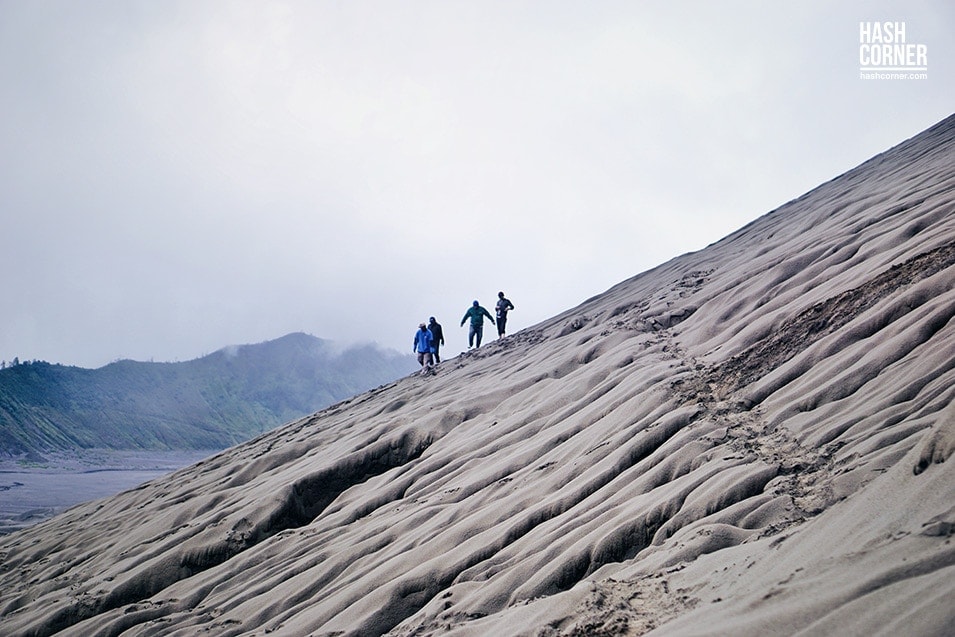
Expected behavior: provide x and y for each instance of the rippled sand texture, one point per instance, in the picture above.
(753, 439)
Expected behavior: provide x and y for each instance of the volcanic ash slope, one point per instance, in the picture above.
(752, 439)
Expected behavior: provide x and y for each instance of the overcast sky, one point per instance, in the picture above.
(180, 176)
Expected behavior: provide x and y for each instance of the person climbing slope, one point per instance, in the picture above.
(476, 313)
(423, 348)
(437, 338)
(503, 305)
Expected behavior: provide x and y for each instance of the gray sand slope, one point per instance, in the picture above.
(753, 439)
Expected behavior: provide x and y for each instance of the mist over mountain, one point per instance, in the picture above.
(211, 402)
(753, 439)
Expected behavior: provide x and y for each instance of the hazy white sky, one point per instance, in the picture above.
(180, 176)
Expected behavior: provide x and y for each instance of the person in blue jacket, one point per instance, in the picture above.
(424, 347)
(476, 313)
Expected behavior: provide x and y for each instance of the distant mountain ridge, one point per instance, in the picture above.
(210, 402)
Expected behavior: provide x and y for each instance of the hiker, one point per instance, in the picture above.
(476, 313)
(423, 346)
(503, 305)
(437, 338)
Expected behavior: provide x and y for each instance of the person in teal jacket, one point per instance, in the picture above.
(476, 313)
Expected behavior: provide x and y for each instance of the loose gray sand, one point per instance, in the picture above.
(33, 491)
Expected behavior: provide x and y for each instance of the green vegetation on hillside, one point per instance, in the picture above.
(208, 403)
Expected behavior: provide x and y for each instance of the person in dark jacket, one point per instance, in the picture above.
(437, 338)
(503, 305)
(476, 313)
(423, 346)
